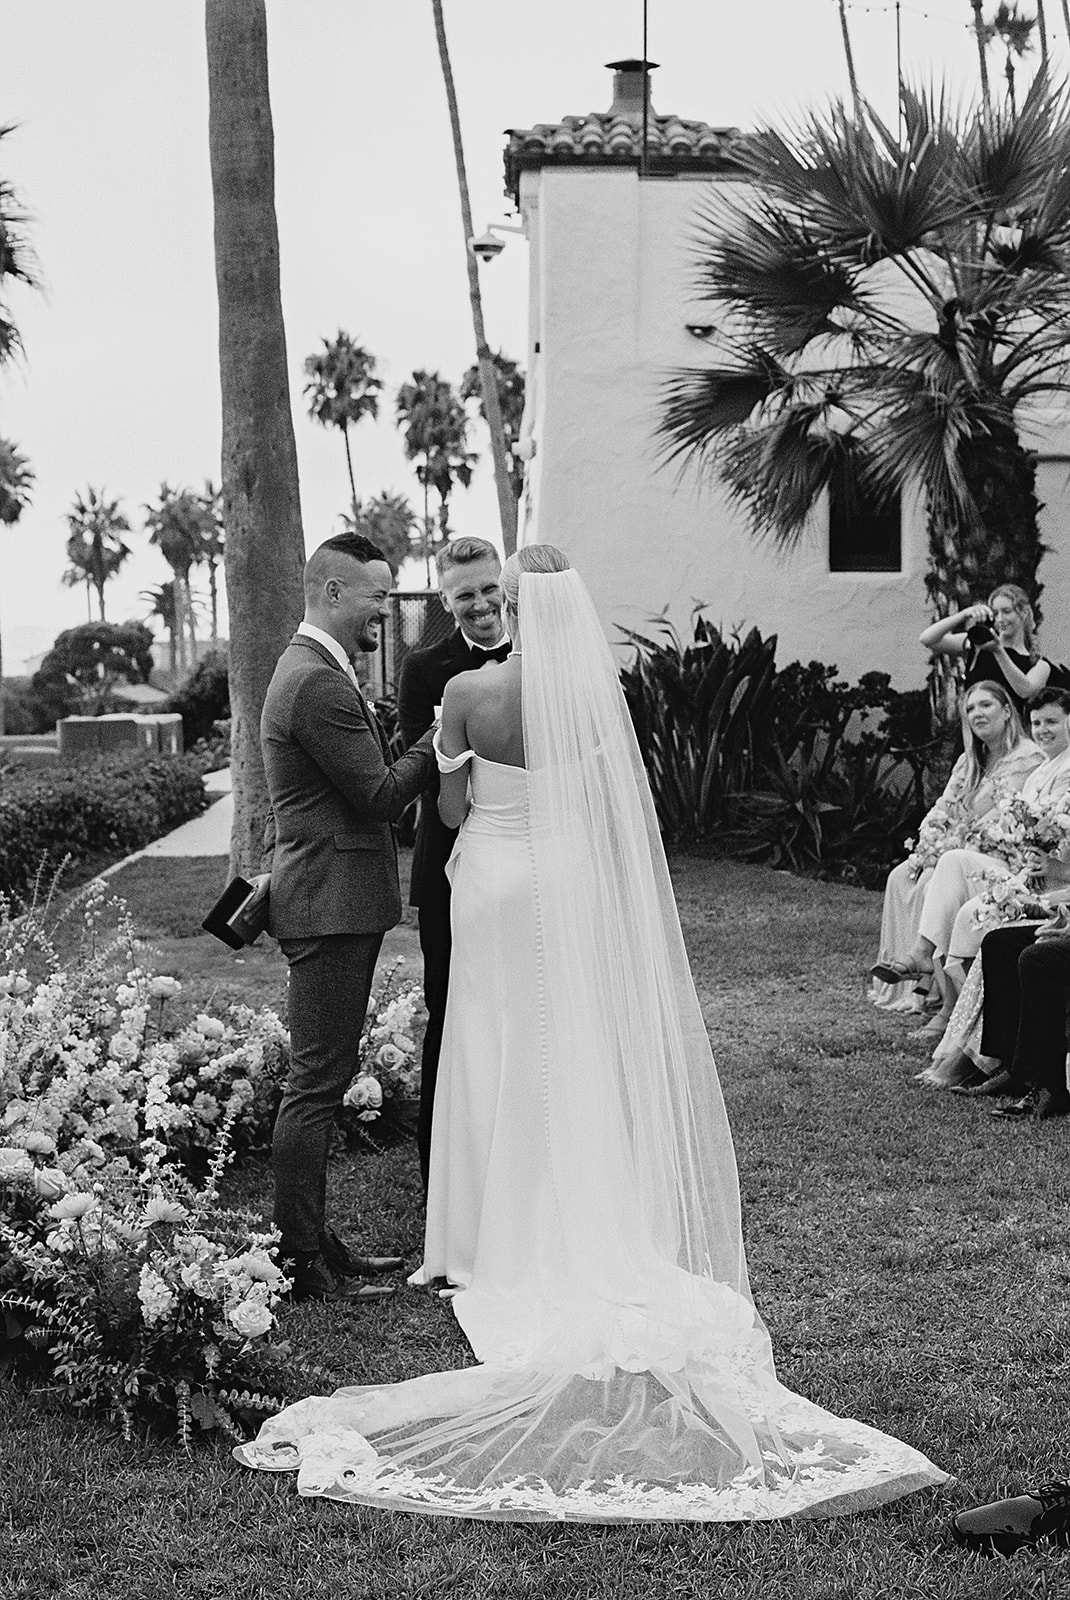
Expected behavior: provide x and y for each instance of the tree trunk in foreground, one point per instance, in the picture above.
(264, 549)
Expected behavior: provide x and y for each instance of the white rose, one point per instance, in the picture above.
(14, 1163)
(50, 1182)
(209, 1027)
(389, 1056)
(250, 1318)
(164, 988)
(364, 1091)
(39, 1144)
(257, 1266)
(20, 985)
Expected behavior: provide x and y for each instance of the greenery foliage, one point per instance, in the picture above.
(98, 808)
(793, 767)
(90, 660)
(204, 698)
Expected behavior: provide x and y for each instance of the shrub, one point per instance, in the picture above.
(204, 698)
(101, 808)
(794, 767)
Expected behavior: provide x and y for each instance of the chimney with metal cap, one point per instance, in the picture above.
(628, 77)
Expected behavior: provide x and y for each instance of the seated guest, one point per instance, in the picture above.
(998, 641)
(1027, 983)
(997, 760)
(957, 1060)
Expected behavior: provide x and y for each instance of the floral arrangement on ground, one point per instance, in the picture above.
(122, 1276)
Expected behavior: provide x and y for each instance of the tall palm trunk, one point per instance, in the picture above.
(264, 550)
(979, 34)
(349, 464)
(1066, 17)
(488, 377)
(848, 52)
(1043, 29)
(213, 590)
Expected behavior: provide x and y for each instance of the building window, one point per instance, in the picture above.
(864, 535)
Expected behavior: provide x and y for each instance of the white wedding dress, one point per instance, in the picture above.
(583, 1191)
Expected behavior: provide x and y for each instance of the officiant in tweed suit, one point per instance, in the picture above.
(330, 851)
(469, 582)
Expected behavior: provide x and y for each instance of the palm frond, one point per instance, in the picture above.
(702, 403)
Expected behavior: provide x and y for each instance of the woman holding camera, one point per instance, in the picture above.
(998, 640)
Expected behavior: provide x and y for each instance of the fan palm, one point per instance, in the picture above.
(17, 262)
(1015, 33)
(95, 547)
(888, 311)
(342, 388)
(436, 438)
(180, 526)
(165, 605)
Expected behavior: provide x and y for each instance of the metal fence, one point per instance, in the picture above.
(415, 620)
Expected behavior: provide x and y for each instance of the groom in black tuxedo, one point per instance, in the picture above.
(469, 574)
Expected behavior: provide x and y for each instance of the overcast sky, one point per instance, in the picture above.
(120, 389)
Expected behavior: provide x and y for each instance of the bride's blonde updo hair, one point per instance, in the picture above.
(532, 558)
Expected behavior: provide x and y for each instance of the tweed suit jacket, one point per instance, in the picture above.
(329, 844)
(424, 676)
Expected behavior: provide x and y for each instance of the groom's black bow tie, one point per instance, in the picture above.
(499, 653)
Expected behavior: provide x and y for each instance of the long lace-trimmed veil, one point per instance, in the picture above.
(625, 1373)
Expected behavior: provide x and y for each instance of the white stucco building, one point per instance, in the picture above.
(610, 309)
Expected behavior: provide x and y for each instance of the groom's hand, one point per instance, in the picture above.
(261, 883)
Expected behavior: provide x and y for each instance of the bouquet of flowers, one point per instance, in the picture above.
(1012, 899)
(942, 828)
(1025, 828)
(141, 1295)
(388, 1071)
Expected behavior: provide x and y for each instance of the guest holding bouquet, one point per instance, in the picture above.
(998, 640)
(996, 761)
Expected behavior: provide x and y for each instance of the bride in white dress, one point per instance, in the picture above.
(583, 1193)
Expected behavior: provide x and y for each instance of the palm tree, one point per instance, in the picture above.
(389, 521)
(164, 599)
(342, 388)
(487, 374)
(95, 545)
(16, 487)
(888, 309)
(17, 261)
(264, 552)
(179, 527)
(1016, 34)
(436, 438)
(511, 397)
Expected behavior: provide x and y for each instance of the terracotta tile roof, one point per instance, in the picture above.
(609, 138)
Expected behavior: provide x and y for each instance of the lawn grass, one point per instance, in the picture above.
(908, 1252)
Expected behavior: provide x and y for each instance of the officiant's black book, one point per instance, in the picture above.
(230, 918)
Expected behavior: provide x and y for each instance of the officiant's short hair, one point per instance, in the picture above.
(459, 552)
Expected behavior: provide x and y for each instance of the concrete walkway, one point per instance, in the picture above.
(206, 835)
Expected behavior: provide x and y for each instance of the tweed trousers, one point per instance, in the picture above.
(330, 984)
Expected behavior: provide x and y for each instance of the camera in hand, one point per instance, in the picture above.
(981, 633)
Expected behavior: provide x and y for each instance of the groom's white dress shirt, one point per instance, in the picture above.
(328, 642)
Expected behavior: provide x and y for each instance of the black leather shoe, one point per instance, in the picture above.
(314, 1280)
(1042, 1105)
(1004, 1526)
(341, 1259)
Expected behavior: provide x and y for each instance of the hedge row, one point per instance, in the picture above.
(92, 811)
